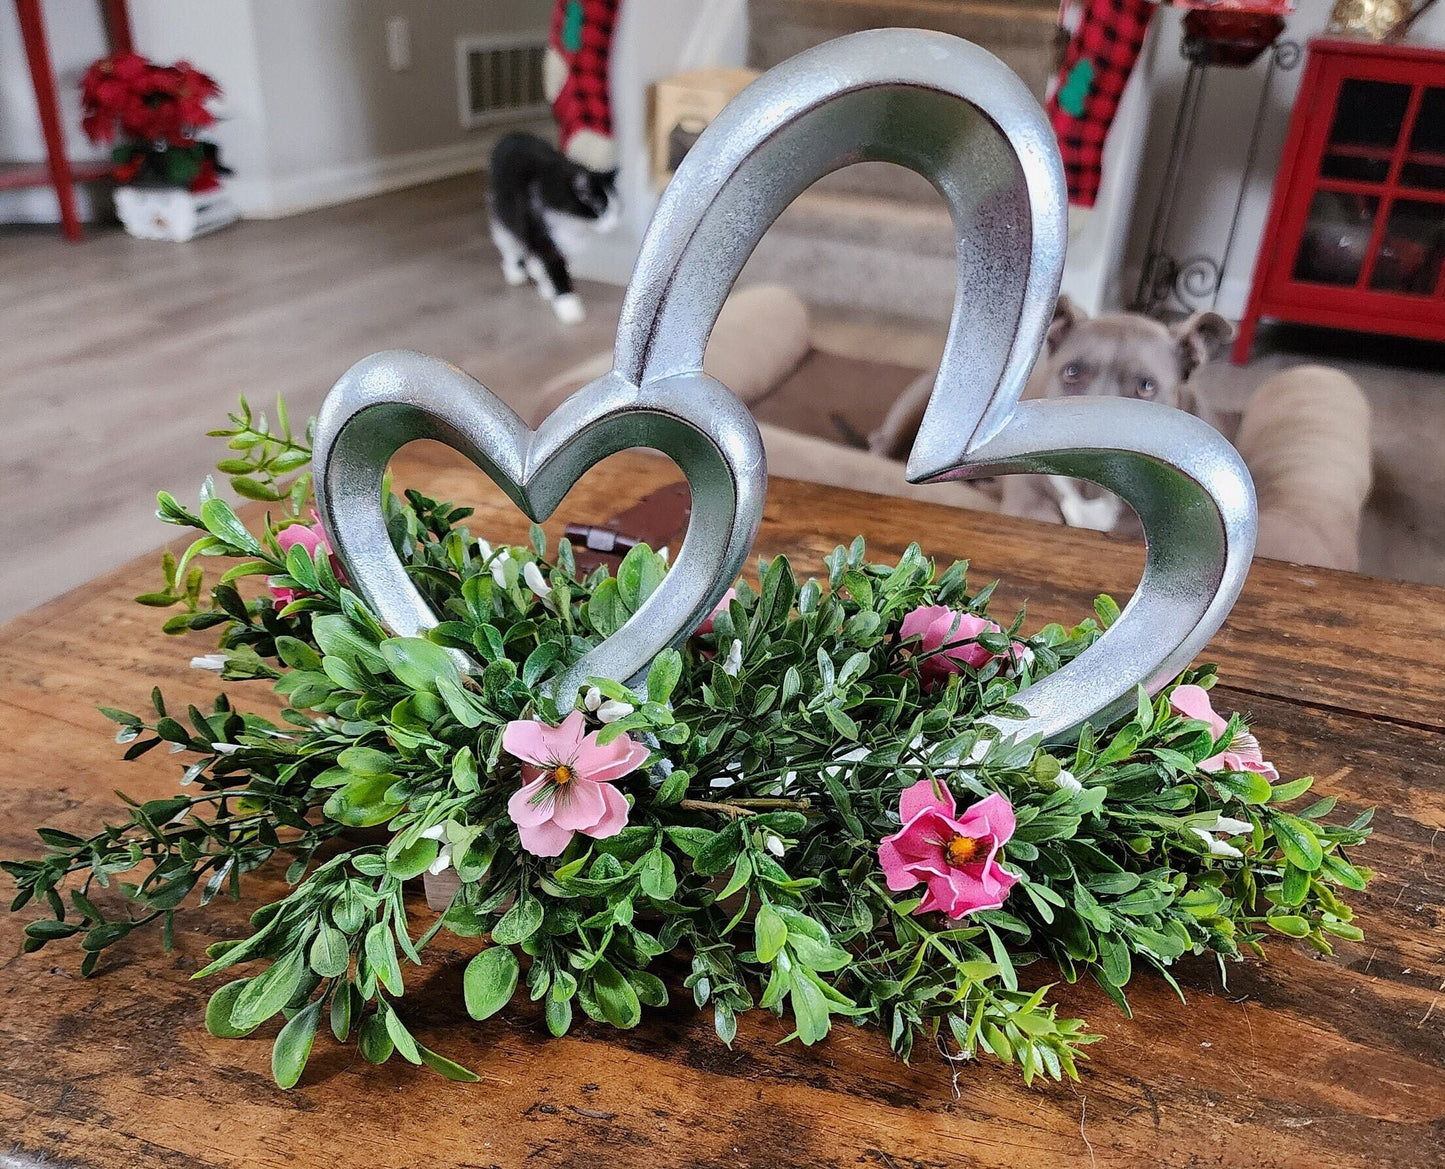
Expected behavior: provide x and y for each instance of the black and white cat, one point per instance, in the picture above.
(539, 199)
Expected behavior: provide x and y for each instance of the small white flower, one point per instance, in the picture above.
(665, 552)
(444, 855)
(774, 845)
(612, 710)
(1229, 826)
(484, 550)
(499, 567)
(592, 699)
(1216, 847)
(1024, 657)
(734, 661)
(216, 662)
(535, 580)
(225, 748)
(1067, 781)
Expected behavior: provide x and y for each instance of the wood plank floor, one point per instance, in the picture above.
(119, 354)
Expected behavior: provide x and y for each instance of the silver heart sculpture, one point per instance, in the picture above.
(957, 115)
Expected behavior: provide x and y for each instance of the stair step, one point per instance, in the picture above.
(845, 250)
(1024, 34)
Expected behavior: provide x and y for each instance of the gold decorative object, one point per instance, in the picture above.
(1377, 19)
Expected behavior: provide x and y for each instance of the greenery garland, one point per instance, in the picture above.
(764, 767)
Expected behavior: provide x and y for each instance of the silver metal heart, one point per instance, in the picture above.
(956, 114)
(390, 399)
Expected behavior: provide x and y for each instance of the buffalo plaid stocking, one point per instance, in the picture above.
(575, 77)
(1097, 64)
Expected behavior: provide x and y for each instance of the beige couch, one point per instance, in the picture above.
(1304, 433)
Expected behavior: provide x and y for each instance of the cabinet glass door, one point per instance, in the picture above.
(1424, 166)
(1336, 238)
(1369, 116)
(1411, 250)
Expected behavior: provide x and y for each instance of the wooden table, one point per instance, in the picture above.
(1299, 1061)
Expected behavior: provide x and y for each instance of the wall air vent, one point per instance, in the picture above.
(499, 78)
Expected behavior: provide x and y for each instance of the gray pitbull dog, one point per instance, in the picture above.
(1116, 355)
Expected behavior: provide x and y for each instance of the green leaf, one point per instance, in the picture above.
(341, 1010)
(220, 1007)
(293, 1046)
(335, 635)
(638, 576)
(1290, 925)
(269, 991)
(663, 676)
(49, 930)
(559, 1015)
(223, 523)
(489, 981)
(519, 923)
(362, 802)
(400, 1036)
(375, 1043)
(330, 955)
(1282, 793)
(770, 933)
(1107, 609)
(1249, 786)
(1296, 886)
(810, 1008)
(1114, 959)
(380, 948)
(414, 859)
(418, 663)
(657, 875)
(615, 996)
(448, 1068)
(1298, 841)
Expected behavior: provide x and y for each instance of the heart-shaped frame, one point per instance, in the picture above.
(957, 115)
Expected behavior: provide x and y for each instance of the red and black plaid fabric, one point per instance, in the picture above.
(584, 102)
(1109, 38)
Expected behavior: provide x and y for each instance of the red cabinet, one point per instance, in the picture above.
(1356, 231)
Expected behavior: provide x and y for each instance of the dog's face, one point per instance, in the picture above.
(1126, 355)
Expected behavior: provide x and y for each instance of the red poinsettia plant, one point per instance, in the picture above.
(152, 112)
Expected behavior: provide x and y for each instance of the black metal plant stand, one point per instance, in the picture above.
(1165, 282)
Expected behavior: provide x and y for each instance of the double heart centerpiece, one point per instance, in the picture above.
(957, 115)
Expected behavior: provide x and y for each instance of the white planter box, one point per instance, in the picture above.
(168, 213)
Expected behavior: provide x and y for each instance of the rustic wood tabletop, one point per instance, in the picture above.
(1298, 1060)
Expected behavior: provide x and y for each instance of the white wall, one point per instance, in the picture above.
(77, 37)
(1212, 174)
(312, 114)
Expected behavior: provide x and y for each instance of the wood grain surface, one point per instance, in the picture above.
(1295, 1061)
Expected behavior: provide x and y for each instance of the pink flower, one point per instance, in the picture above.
(954, 855)
(311, 537)
(1243, 754)
(568, 785)
(955, 633)
(721, 607)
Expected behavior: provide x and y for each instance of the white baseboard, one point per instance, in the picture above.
(326, 187)
(38, 205)
(275, 198)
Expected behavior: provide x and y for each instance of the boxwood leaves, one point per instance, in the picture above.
(752, 829)
(489, 981)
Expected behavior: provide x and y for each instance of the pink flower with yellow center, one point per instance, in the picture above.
(955, 856)
(568, 786)
(1242, 754)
